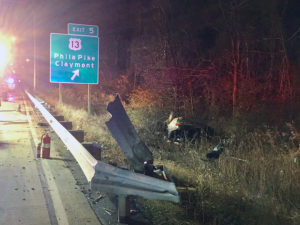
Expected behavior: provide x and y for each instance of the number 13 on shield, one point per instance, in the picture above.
(74, 44)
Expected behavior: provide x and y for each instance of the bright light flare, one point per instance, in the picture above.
(5, 53)
(10, 80)
(11, 83)
(11, 98)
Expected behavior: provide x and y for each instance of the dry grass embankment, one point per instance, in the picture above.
(255, 181)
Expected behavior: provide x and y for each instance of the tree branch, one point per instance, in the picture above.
(294, 34)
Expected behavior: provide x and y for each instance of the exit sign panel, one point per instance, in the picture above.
(74, 59)
(81, 29)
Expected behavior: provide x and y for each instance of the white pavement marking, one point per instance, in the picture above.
(56, 199)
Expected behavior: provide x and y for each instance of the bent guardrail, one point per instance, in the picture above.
(107, 178)
(124, 182)
(125, 134)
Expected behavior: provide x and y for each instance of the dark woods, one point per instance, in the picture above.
(204, 57)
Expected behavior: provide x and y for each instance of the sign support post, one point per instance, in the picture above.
(89, 99)
(60, 93)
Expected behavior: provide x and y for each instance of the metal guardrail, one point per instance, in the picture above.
(105, 177)
(124, 182)
(85, 160)
(125, 134)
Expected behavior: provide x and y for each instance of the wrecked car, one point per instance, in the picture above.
(179, 131)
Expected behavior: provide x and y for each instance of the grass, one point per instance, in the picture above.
(255, 181)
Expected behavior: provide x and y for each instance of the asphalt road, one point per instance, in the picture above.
(35, 191)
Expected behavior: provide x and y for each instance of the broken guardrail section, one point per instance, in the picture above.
(107, 178)
(119, 181)
(124, 182)
(124, 133)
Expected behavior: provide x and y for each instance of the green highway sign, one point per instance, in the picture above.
(74, 59)
(81, 29)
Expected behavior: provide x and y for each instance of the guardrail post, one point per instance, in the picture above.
(59, 118)
(93, 148)
(66, 124)
(78, 134)
(123, 209)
